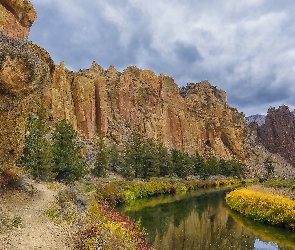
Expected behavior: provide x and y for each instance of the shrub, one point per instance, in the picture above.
(108, 229)
(267, 208)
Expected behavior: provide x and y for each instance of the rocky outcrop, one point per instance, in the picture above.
(115, 104)
(25, 69)
(256, 154)
(17, 16)
(196, 117)
(278, 132)
(110, 103)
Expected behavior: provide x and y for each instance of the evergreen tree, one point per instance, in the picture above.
(37, 156)
(182, 163)
(101, 159)
(114, 158)
(150, 162)
(67, 163)
(212, 166)
(133, 157)
(269, 167)
(164, 160)
(198, 163)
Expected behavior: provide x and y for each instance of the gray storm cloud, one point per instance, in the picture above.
(245, 47)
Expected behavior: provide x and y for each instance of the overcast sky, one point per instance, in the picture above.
(245, 47)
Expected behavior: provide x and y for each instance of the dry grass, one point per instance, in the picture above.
(285, 192)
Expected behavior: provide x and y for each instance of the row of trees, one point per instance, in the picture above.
(145, 158)
(58, 155)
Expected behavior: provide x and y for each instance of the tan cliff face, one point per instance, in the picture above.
(114, 104)
(110, 103)
(16, 18)
(196, 117)
(25, 69)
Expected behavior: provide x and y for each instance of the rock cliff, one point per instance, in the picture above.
(278, 132)
(115, 104)
(195, 117)
(17, 16)
(24, 69)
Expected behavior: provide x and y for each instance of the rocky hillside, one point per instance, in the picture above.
(196, 117)
(278, 132)
(113, 104)
(24, 69)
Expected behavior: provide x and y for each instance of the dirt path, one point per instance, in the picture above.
(36, 230)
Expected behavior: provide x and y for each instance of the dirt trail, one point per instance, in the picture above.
(36, 230)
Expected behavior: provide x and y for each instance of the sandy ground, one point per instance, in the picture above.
(36, 230)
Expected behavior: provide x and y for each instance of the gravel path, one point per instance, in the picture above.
(36, 230)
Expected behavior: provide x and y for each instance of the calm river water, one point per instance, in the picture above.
(201, 220)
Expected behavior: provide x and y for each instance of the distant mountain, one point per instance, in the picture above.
(259, 119)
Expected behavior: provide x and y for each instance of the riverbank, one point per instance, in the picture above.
(82, 214)
(118, 191)
(109, 192)
(271, 203)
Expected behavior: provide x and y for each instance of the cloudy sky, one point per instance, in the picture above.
(245, 47)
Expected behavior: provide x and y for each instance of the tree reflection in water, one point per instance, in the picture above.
(199, 221)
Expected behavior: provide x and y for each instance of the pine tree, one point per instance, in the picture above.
(101, 159)
(182, 163)
(198, 163)
(164, 160)
(132, 166)
(68, 164)
(37, 157)
(150, 162)
(269, 167)
(114, 158)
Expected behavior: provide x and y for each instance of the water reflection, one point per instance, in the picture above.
(259, 245)
(202, 221)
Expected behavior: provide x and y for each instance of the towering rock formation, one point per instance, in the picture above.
(110, 103)
(17, 16)
(24, 70)
(196, 117)
(116, 104)
(278, 132)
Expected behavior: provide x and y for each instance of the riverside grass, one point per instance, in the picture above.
(115, 192)
(267, 208)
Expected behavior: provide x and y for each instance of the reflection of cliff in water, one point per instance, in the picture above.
(199, 222)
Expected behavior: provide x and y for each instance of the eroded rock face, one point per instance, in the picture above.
(16, 18)
(196, 117)
(278, 132)
(24, 70)
(115, 104)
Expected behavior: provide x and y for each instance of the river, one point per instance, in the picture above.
(201, 220)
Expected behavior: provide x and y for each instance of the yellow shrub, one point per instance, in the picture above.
(268, 208)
